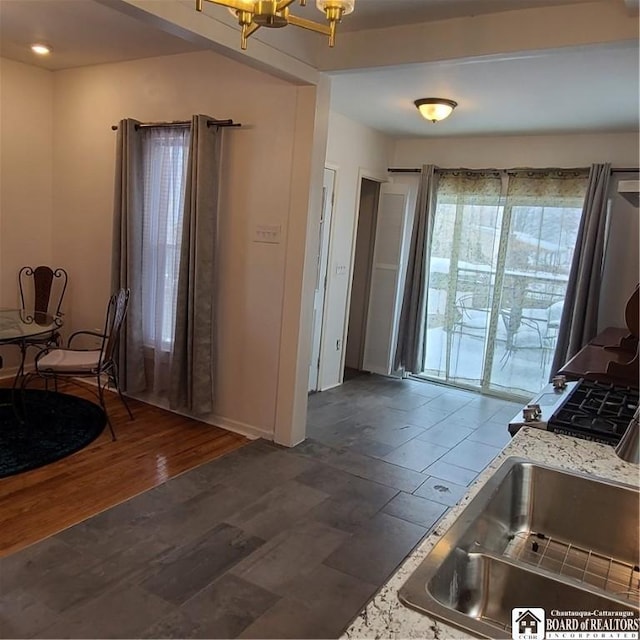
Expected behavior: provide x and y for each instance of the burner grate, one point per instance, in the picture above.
(596, 411)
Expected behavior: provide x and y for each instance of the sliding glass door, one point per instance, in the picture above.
(462, 267)
(500, 255)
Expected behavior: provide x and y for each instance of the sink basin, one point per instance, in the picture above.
(533, 536)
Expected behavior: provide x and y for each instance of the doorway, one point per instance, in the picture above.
(361, 282)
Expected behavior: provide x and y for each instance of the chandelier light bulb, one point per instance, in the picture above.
(346, 6)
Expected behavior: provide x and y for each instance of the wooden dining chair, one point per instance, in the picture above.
(98, 363)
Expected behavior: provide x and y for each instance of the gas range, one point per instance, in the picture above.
(585, 409)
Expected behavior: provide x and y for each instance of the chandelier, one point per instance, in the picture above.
(253, 14)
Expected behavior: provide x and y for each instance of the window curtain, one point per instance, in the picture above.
(411, 333)
(164, 163)
(579, 322)
(194, 355)
(149, 198)
(557, 188)
(126, 260)
(461, 262)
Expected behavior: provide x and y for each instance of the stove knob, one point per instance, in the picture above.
(559, 382)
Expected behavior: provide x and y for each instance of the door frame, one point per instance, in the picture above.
(327, 284)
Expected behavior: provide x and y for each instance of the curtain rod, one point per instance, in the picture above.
(182, 123)
(492, 169)
(613, 169)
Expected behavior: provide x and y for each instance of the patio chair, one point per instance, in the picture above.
(471, 316)
(533, 327)
(70, 363)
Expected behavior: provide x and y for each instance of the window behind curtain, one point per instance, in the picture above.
(164, 163)
(501, 252)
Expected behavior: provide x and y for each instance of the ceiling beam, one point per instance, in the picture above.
(503, 33)
(218, 31)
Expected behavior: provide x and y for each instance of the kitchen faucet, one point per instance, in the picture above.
(628, 449)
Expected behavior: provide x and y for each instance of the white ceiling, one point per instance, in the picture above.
(371, 14)
(80, 33)
(551, 91)
(563, 91)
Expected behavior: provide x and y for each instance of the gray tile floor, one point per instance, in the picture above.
(265, 542)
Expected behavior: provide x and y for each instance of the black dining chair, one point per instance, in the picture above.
(41, 294)
(99, 363)
(41, 290)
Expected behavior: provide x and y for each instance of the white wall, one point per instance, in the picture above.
(576, 150)
(64, 120)
(26, 139)
(357, 152)
(305, 209)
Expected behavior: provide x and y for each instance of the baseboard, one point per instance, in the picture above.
(248, 430)
(242, 428)
(333, 385)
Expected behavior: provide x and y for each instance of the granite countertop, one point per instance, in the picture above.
(386, 617)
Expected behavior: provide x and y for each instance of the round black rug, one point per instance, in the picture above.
(55, 426)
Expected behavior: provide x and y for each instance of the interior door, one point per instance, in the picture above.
(385, 294)
(361, 269)
(321, 276)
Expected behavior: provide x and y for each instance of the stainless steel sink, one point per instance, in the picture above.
(533, 536)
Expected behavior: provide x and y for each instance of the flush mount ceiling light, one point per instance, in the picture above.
(253, 14)
(435, 109)
(41, 49)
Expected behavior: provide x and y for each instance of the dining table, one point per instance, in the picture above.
(20, 327)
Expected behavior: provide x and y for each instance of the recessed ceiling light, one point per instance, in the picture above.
(41, 49)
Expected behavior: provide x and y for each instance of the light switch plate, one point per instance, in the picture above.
(267, 233)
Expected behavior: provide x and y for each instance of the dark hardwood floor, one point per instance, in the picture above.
(155, 446)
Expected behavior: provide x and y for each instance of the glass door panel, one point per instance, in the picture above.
(538, 259)
(461, 291)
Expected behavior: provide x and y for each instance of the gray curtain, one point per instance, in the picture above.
(126, 258)
(411, 334)
(579, 321)
(194, 353)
